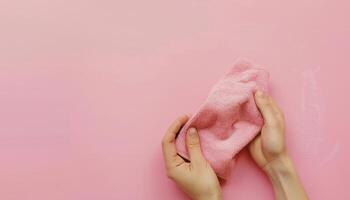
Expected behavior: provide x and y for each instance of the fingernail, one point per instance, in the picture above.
(192, 132)
(260, 94)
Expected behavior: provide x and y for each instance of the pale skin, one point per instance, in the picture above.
(198, 180)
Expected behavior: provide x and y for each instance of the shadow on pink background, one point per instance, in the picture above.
(87, 89)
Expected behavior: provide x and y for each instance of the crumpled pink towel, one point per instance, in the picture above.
(229, 119)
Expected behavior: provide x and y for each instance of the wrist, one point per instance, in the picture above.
(284, 179)
(279, 166)
(281, 172)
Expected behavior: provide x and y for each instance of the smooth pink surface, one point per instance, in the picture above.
(87, 89)
(229, 118)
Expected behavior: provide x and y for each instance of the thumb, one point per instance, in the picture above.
(193, 147)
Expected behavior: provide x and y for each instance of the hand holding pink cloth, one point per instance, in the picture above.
(229, 119)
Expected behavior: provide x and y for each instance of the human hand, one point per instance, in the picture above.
(269, 152)
(269, 145)
(196, 178)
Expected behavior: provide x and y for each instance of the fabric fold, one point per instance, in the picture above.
(228, 119)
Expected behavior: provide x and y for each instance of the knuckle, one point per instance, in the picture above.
(193, 144)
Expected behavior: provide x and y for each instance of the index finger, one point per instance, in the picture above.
(266, 108)
(168, 142)
(272, 114)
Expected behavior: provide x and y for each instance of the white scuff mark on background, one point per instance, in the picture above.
(315, 145)
(311, 116)
(331, 154)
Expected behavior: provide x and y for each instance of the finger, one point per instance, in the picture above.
(256, 151)
(174, 128)
(168, 142)
(194, 147)
(255, 144)
(255, 148)
(278, 112)
(266, 108)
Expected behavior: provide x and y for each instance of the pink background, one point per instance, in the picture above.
(87, 89)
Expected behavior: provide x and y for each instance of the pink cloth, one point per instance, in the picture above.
(229, 119)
